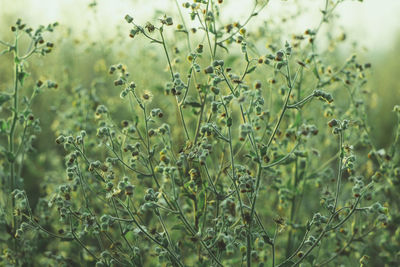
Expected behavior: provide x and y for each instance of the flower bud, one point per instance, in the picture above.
(209, 70)
(128, 18)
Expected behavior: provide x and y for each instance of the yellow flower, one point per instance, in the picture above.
(147, 96)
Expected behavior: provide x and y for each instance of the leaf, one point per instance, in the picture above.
(263, 150)
(178, 227)
(194, 104)
(3, 126)
(315, 71)
(4, 98)
(202, 201)
(251, 69)
(183, 31)
(136, 120)
(202, 207)
(21, 77)
(229, 122)
(10, 156)
(223, 47)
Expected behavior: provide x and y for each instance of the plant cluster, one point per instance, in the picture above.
(244, 155)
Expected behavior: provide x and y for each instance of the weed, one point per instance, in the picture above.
(244, 156)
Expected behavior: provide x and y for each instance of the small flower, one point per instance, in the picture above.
(147, 96)
(128, 18)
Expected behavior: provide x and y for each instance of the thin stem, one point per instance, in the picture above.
(301, 102)
(79, 241)
(184, 25)
(273, 245)
(176, 260)
(120, 226)
(12, 159)
(333, 215)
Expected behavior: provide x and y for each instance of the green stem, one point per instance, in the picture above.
(12, 159)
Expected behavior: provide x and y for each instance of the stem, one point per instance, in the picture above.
(339, 177)
(273, 246)
(120, 226)
(292, 210)
(199, 121)
(173, 80)
(13, 182)
(79, 241)
(184, 25)
(176, 260)
(301, 102)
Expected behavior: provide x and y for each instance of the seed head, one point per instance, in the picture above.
(209, 70)
(118, 82)
(128, 18)
(333, 123)
(147, 96)
(257, 85)
(150, 27)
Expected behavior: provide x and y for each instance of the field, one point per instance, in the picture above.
(195, 139)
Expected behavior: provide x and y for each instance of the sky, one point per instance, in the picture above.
(373, 23)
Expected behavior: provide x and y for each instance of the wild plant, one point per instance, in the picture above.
(18, 127)
(244, 156)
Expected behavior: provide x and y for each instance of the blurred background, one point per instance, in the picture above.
(373, 23)
(372, 28)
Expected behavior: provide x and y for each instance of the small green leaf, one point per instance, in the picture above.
(202, 200)
(251, 69)
(229, 122)
(178, 227)
(193, 104)
(10, 156)
(4, 98)
(223, 47)
(315, 71)
(3, 126)
(21, 77)
(136, 120)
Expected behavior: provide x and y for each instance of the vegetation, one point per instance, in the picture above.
(215, 150)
